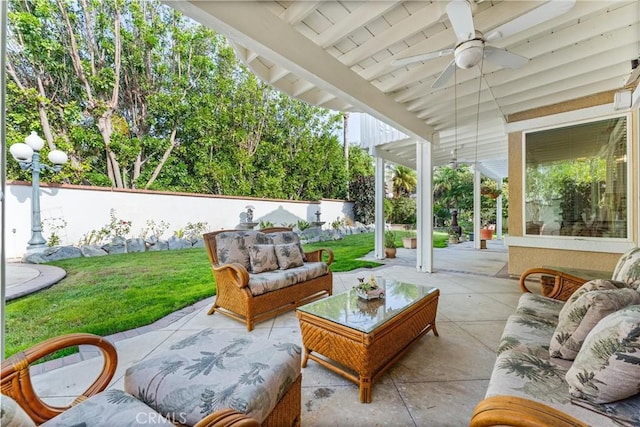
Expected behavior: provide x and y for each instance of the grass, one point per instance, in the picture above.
(106, 295)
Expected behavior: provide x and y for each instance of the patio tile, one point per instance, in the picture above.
(472, 307)
(452, 356)
(340, 406)
(488, 333)
(442, 404)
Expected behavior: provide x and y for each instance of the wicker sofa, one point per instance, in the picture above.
(260, 274)
(593, 377)
(21, 406)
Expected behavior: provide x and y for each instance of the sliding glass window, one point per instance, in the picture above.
(576, 181)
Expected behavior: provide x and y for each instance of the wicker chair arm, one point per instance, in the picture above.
(16, 379)
(317, 255)
(519, 412)
(237, 273)
(227, 418)
(564, 284)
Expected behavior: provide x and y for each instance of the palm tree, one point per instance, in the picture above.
(404, 181)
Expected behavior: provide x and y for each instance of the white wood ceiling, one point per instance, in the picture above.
(337, 54)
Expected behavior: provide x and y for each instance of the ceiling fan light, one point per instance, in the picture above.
(468, 56)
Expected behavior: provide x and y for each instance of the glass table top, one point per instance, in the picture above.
(347, 309)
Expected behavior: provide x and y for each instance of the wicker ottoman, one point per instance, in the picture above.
(213, 370)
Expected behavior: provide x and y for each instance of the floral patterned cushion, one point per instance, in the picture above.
(592, 285)
(628, 268)
(583, 314)
(289, 255)
(107, 409)
(278, 279)
(532, 374)
(233, 246)
(263, 258)
(283, 237)
(213, 370)
(540, 307)
(12, 414)
(607, 368)
(524, 330)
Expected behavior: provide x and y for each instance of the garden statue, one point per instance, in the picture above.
(250, 213)
(454, 223)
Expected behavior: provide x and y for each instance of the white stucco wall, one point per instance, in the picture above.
(87, 208)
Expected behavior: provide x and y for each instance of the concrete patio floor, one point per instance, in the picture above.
(437, 383)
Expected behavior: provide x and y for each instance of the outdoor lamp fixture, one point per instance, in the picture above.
(28, 156)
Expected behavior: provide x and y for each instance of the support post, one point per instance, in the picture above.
(424, 212)
(476, 208)
(379, 209)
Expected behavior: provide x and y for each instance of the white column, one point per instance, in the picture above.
(476, 208)
(424, 212)
(499, 212)
(379, 209)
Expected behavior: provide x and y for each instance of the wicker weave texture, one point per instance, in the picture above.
(288, 410)
(369, 355)
(234, 299)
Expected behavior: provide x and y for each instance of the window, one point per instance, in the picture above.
(576, 180)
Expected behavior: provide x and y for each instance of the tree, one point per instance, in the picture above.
(404, 181)
(141, 96)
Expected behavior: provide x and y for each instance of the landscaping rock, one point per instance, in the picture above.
(92, 251)
(159, 245)
(198, 243)
(117, 246)
(136, 245)
(177, 243)
(54, 253)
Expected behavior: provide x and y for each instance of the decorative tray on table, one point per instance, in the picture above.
(368, 290)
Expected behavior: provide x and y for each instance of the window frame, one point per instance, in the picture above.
(605, 244)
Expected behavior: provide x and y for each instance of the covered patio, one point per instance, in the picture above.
(537, 64)
(437, 383)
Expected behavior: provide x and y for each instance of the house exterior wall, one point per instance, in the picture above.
(569, 252)
(86, 208)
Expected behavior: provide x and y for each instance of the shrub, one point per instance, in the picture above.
(362, 191)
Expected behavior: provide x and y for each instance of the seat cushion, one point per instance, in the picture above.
(539, 306)
(523, 330)
(107, 409)
(214, 370)
(12, 414)
(272, 280)
(530, 372)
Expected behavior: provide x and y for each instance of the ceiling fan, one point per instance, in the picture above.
(471, 45)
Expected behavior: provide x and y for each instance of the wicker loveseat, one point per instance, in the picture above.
(573, 362)
(21, 406)
(260, 274)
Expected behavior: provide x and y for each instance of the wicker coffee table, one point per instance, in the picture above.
(361, 339)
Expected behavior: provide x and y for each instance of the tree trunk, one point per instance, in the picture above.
(165, 157)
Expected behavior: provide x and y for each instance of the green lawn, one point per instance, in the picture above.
(106, 295)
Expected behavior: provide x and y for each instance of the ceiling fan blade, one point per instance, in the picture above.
(459, 12)
(422, 57)
(445, 75)
(547, 11)
(504, 58)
